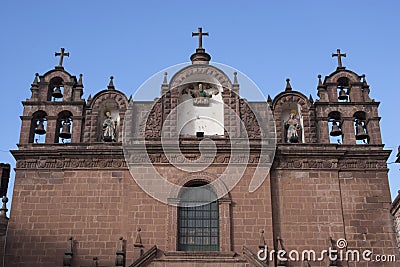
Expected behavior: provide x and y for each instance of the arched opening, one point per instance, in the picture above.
(335, 127)
(343, 87)
(360, 127)
(198, 218)
(64, 127)
(292, 123)
(56, 90)
(37, 133)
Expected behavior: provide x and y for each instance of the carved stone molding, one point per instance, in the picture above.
(249, 120)
(91, 163)
(356, 164)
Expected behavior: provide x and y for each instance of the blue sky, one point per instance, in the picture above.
(267, 40)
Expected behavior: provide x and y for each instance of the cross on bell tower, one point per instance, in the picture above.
(339, 56)
(61, 55)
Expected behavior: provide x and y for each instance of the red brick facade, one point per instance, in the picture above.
(316, 192)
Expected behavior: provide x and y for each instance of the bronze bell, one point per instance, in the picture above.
(342, 94)
(57, 92)
(360, 131)
(65, 131)
(336, 131)
(40, 128)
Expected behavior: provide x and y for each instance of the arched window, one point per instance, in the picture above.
(343, 89)
(335, 127)
(198, 219)
(37, 132)
(64, 127)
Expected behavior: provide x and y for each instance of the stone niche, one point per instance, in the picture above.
(201, 109)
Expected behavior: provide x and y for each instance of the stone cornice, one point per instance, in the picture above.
(288, 156)
(340, 157)
(332, 104)
(54, 103)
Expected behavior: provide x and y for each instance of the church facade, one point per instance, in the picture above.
(241, 180)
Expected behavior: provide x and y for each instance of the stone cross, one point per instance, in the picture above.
(339, 56)
(200, 34)
(61, 55)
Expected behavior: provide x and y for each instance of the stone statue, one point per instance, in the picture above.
(202, 97)
(203, 93)
(109, 128)
(292, 126)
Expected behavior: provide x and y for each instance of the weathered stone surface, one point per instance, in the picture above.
(316, 191)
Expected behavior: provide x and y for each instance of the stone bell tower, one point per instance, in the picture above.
(54, 112)
(346, 113)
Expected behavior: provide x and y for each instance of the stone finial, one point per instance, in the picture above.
(319, 80)
(80, 83)
(3, 210)
(120, 254)
(138, 240)
(138, 246)
(332, 261)
(281, 247)
(165, 81)
(67, 260)
(288, 86)
(111, 84)
(398, 158)
(130, 99)
(235, 80)
(306, 263)
(89, 99)
(269, 99)
(311, 99)
(95, 262)
(364, 81)
(262, 240)
(36, 80)
(280, 243)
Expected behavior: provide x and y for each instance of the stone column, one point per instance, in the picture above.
(323, 131)
(374, 131)
(51, 129)
(349, 136)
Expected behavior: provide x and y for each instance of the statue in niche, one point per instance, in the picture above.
(109, 128)
(293, 127)
(201, 96)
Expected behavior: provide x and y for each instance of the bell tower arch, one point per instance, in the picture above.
(55, 103)
(345, 108)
